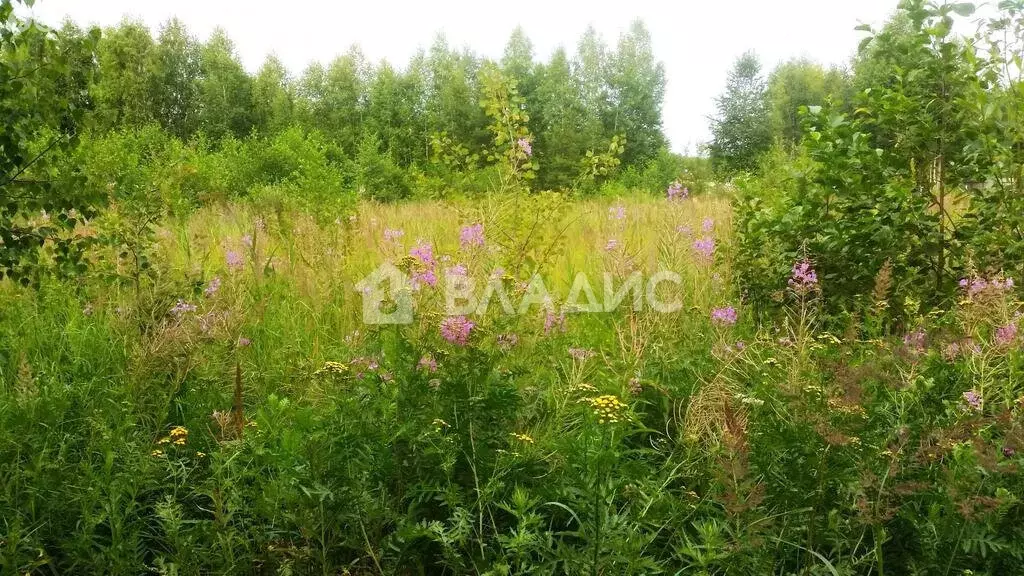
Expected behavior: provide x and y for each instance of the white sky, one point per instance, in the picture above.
(698, 40)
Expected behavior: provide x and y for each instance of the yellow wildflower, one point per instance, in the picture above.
(522, 437)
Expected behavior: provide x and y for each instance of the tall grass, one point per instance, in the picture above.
(268, 430)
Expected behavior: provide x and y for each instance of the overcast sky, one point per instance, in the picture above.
(696, 39)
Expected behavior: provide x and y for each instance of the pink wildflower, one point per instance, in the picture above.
(212, 287)
(234, 259)
(427, 363)
(724, 316)
(1006, 334)
(973, 400)
(677, 192)
(704, 247)
(456, 329)
(472, 235)
(525, 146)
(803, 278)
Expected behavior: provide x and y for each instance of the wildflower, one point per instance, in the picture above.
(233, 259)
(684, 230)
(724, 316)
(471, 235)
(200, 454)
(704, 247)
(212, 287)
(179, 435)
(617, 212)
(525, 146)
(1006, 334)
(458, 270)
(87, 310)
(707, 225)
(424, 252)
(456, 329)
(440, 424)
(612, 245)
(635, 388)
(915, 341)
(1009, 451)
(331, 367)
(182, 307)
(677, 192)
(428, 277)
(427, 363)
(393, 235)
(243, 342)
(553, 321)
(157, 452)
(803, 278)
(973, 399)
(581, 354)
(522, 437)
(507, 341)
(607, 408)
(247, 240)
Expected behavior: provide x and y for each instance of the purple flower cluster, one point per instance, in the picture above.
(233, 259)
(507, 341)
(704, 247)
(977, 285)
(456, 329)
(676, 191)
(708, 225)
(954, 350)
(1006, 334)
(553, 321)
(424, 254)
(212, 287)
(182, 307)
(803, 278)
(427, 363)
(724, 316)
(916, 341)
(472, 236)
(525, 146)
(458, 270)
(973, 400)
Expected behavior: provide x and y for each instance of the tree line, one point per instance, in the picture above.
(412, 114)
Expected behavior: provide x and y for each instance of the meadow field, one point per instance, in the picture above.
(232, 412)
(480, 316)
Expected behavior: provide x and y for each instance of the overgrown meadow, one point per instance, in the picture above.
(232, 413)
(798, 355)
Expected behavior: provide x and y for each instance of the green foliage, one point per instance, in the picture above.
(802, 83)
(377, 175)
(44, 79)
(898, 180)
(741, 131)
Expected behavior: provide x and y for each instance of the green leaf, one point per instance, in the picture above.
(963, 8)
